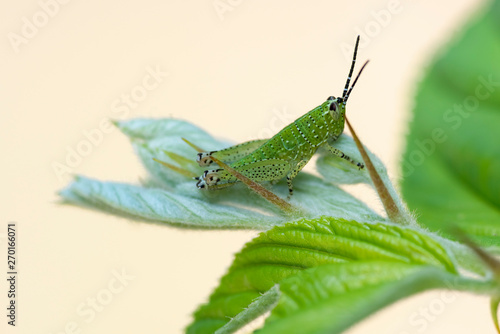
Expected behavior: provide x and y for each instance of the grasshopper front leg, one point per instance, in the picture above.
(230, 154)
(293, 173)
(342, 155)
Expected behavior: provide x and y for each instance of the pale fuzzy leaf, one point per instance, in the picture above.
(148, 128)
(173, 198)
(188, 206)
(318, 198)
(152, 137)
(156, 148)
(162, 206)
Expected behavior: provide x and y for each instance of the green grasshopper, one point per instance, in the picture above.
(288, 151)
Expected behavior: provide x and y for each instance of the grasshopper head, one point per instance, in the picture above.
(336, 106)
(204, 159)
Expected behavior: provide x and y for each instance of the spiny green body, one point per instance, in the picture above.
(299, 140)
(285, 154)
(288, 151)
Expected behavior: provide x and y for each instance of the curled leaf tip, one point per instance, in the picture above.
(495, 300)
(490, 261)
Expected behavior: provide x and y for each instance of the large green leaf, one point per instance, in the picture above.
(451, 166)
(287, 250)
(331, 298)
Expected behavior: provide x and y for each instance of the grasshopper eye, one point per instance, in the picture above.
(333, 106)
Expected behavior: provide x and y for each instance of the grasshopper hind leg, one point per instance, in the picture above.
(258, 171)
(229, 154)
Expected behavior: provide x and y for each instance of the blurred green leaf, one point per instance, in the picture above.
(451, 166)
(287, 250)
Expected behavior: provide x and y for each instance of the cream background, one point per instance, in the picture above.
(226, 76)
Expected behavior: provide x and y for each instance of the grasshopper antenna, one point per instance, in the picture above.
(355, 80)
(345, 94)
